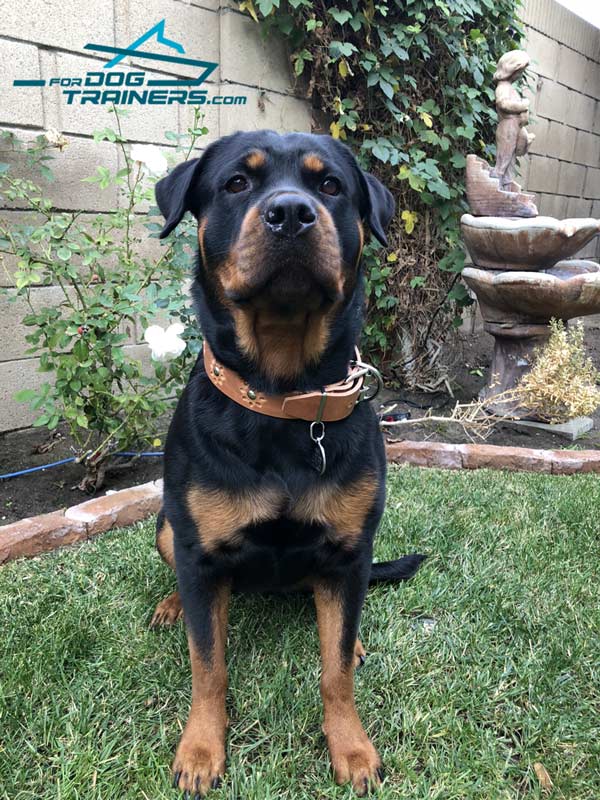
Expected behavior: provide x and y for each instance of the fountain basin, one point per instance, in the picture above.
(569, 289)
(511, 243)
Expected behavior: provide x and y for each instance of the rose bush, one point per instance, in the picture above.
(112, 290)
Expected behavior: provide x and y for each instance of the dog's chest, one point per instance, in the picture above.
(226, 519)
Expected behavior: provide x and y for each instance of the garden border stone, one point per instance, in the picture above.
(36, 535)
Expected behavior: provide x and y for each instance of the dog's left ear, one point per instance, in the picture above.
(173, 193)
(379, 205)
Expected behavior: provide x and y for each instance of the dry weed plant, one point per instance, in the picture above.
(562, 383)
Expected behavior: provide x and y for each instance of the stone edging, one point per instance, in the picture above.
(36, 535)
(489, 456)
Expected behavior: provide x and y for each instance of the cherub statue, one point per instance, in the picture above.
(512, 138)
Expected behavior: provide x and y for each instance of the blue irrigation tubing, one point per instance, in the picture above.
(68, 461)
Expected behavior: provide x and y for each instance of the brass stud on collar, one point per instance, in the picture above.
(251, 394)
(216, 371)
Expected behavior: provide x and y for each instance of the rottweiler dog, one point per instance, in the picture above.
(258, 501)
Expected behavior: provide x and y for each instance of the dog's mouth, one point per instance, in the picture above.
(283, 282)
(285, 290)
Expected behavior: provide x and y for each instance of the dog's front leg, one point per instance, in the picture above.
(200, 758)
(353, 757)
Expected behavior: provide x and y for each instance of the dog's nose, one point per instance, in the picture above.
(289, 215)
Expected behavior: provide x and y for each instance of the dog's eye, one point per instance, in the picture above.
(236, 184)
(330, 186)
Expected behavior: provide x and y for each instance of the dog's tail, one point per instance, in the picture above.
(399, 570)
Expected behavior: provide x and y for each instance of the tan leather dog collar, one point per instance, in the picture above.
(335, 402)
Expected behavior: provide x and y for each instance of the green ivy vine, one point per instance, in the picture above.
(408, 85)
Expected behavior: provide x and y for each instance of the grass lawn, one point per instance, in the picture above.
(485, 663)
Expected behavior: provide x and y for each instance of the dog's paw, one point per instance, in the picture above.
(198, 768)
(360, 654)
(167, 612)
(356, 762)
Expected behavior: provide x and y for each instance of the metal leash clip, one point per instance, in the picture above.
(369, 390)
(317, 438)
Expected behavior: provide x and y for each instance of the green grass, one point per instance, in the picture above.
(92, 702)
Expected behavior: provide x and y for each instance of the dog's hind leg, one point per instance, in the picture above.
(169, 610)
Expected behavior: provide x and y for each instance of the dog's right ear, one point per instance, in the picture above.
(173, 193)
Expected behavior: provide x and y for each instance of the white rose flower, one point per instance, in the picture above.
(150, 157)
(56, 139)
(165, 344)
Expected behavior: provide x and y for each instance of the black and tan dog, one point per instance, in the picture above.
(256, 496)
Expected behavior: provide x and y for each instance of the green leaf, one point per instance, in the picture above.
(341, 17)
(25, 395)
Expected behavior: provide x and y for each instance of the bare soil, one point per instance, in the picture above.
(52, 489)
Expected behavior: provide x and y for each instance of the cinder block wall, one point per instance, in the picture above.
(564, 160)
(41, 40)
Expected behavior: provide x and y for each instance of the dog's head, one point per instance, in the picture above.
(280, 232)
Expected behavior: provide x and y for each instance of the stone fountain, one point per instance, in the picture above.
(521, 272)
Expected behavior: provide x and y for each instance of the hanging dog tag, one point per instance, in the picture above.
(317, 434)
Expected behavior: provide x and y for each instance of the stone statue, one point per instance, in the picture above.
(492, 191)
(512, 138)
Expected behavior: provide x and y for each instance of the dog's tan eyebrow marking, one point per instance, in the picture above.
(255, 159)
(313, 162)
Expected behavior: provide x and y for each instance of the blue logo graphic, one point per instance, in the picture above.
(128, 88)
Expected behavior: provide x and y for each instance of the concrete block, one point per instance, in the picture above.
(562, 25)
(572, 68)
(540, 145)
(592, 184)
(211, 5)
(248, 58)
(591, 250)
(523, 168)
(530, 91)
(16, 375)
(194, 27)
(581, 110)
(543, 175)
(591, 84)
(265, 110)
(20, 61)
(571, 178)
(578, 207)
(587, 149)
(552, 205)
(572, 430)
(553, 101)
(544, 53)
(77, 161)
(560, 141)
(68, 24)
(596, 125)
